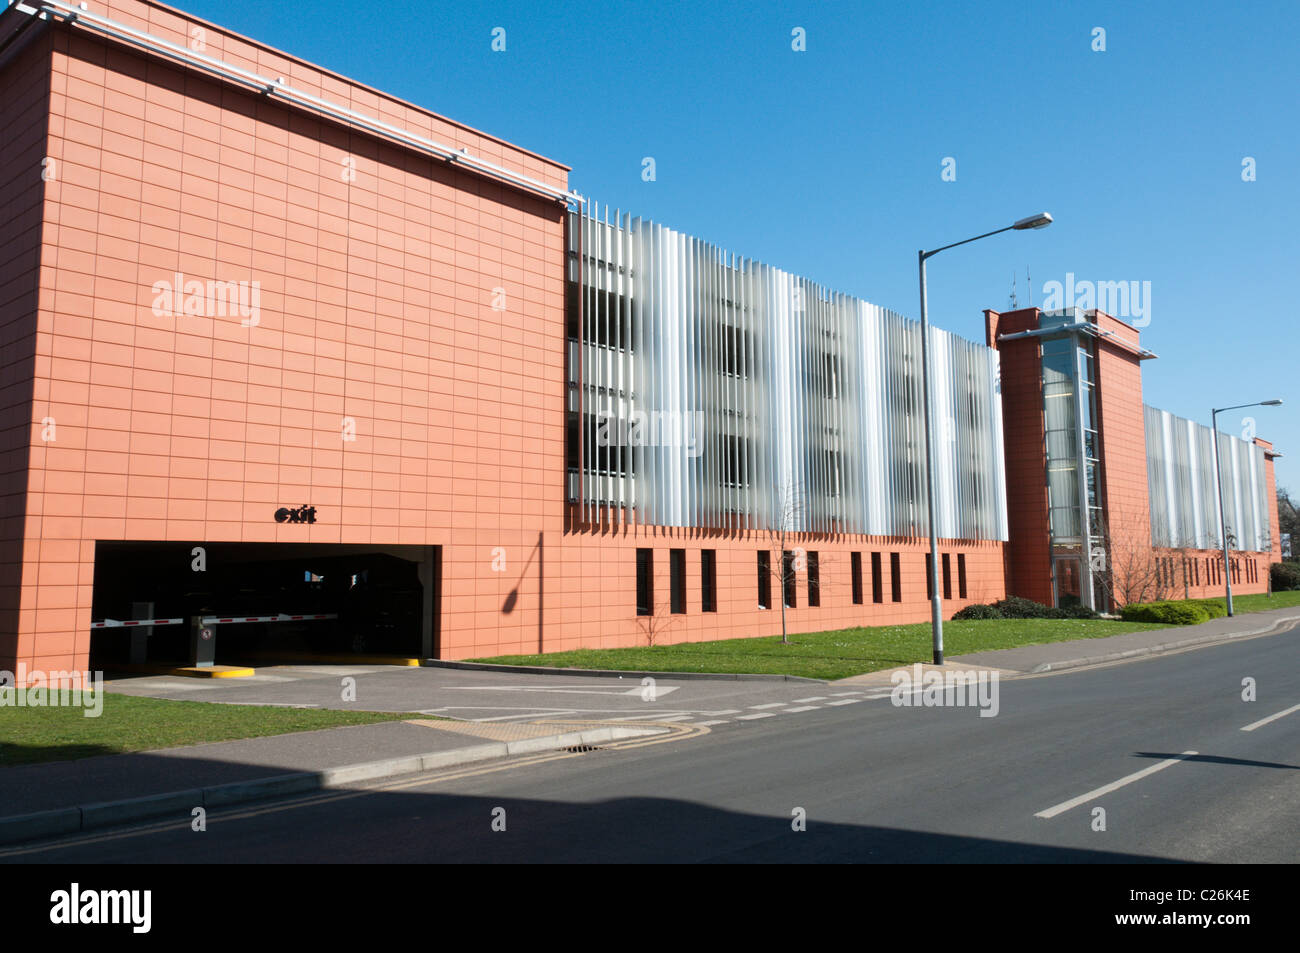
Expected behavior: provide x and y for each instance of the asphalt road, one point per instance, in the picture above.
(471, 695)
(876, 782)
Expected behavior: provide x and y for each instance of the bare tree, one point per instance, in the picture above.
(658, 622)
(1133, 570)
(1288, 517)
(1130, 571)
(788, 559)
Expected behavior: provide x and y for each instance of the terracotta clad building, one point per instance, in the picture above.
(276, 343)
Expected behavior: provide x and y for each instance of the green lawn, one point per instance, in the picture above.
(832, 655)
(1258, 603)
(129, 723)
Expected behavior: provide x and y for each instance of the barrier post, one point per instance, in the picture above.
(203, 643)
(140, 635)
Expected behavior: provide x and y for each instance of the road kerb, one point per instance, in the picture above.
(180, 804)
(1163, 647)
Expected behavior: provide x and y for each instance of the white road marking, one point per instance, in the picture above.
(725, 711)
(659, 690)
(791, 711)
(847, 701)
(1113, 786)
(718, 721)
(1264, 721)
(815, 698)
(842, 694)
(757, 714)
(768, 705)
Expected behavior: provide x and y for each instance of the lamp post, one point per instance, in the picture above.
(1218, 483)
(1041, 220)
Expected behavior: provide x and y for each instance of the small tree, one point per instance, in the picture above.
(1131, 570)
(782, 537)
(1288, 515)
(658, 622)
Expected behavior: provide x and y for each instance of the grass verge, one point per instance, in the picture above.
(831, 655)
(130, 723)
(1258, 602)
(839, 654)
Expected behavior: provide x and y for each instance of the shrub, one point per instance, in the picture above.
(1217, 608)
(1170, 613)
(1285, 576)
(977, 611)
(1076, 611)
(1014, 607)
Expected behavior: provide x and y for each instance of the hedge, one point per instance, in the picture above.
(1014, 607)
(1170, 613)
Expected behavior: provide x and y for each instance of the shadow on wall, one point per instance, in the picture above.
(512, 598)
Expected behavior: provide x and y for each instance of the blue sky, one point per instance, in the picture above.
(827, 162)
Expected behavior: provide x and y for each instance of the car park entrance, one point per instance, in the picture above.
(262, 601)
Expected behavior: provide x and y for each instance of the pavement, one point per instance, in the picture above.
(498, 714)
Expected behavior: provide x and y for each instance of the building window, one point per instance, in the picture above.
(677, 571)
(947, 576)
(708, 580)
(789, 584)
(877, 587)
(645, 582)
(814, 579)
(734, 466)
(764, 579)
(735, 351)
(831, 380)
(929, 578)
(855, 569)
(895, 576)
(961, 575)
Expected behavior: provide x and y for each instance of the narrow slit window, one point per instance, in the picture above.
(814, 579)
(677, 565)
(645, 582)
(708, 580)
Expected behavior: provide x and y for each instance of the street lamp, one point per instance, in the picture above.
(1218, 482)
(1041, 220)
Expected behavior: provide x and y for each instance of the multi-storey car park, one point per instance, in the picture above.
(277, 344)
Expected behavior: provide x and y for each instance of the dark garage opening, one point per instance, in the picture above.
(376, 592)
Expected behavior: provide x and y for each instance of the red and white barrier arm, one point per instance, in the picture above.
(127, 623)
(281, 617)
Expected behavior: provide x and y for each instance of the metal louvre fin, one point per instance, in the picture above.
(728, 385)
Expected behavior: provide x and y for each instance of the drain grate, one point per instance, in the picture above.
(582, 749)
